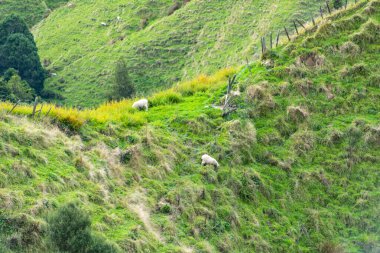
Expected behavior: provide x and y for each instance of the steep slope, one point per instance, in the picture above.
(32, 11)
(160, 50)
(299, 158)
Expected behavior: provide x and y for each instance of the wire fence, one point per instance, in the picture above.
(324, 11)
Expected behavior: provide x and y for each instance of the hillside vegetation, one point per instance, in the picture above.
(161, 42)
(32, 11)
(299, 157)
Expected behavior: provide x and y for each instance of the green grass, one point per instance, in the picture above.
(201, 37)
(287, 182)
(32, 11)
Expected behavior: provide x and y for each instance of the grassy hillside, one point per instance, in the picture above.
(32, 11)
(299, 158)
(160, 49)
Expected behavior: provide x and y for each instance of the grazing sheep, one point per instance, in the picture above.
(208, 160)
(141, 104)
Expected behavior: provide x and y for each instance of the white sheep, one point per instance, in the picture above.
(208, 160)
(141, 104)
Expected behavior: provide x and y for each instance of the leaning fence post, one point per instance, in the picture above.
(265, 45)
(278, 38)
(35, 106)
(287, 34)
(14, 106)
(321, 11)
(328, 7)
(295, 26)
(312, 19)
(299, 22)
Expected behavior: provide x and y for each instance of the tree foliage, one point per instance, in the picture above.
(123, 88)
(13, 88)
(11, 25)
(18, 50)
(70, 231)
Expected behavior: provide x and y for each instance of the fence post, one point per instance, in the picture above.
(35, 106)
(14, 106)
(271, 41)
(295, 26)
(278, 38)
(39, 113)
(299, 22)
(321, 11)
(312, 19)
(328, 7)
(287, 34)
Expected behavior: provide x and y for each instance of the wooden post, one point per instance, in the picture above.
(312, 19)
(227, 109)
(35, 106)
(278, 38)
(328, 7)
(39, 113)
(287, 34)
(265, 45)
(14, 106)
(295, 26)
(321, 11)
(271, 41)
(299, 22)
(262, 45)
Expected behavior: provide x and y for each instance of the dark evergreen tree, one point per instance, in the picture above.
(20, 53)
(123, 88)
(11, 25)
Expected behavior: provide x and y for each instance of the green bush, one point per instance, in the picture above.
(70, 229)
(70, 232)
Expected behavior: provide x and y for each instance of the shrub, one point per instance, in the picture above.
(69, 231)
